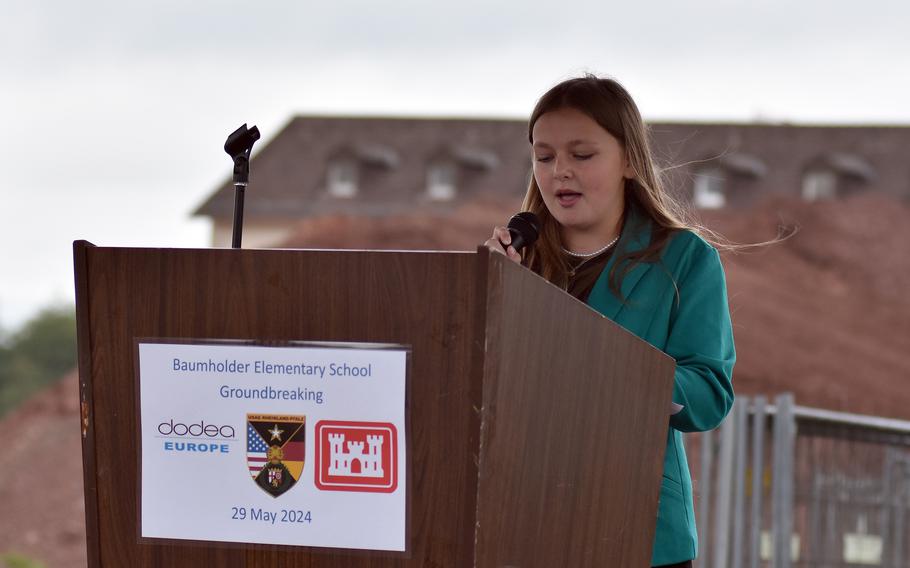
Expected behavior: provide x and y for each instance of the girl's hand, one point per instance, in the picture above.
(502, 237)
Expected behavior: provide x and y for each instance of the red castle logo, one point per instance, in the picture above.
(356, 456)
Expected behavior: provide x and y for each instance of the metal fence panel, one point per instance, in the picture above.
(783, 485)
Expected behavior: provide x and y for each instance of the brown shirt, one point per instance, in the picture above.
(586, 272)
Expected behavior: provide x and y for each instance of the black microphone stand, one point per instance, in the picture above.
(238, 146)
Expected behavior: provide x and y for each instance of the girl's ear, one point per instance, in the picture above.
(628, 171)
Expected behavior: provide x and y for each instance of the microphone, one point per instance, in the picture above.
(524, 228)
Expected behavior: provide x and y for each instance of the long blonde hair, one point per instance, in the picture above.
(611, 106)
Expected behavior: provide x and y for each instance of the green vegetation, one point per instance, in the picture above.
(36, 355)
(13, 560)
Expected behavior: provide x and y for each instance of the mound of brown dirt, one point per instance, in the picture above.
(42, 514)
(464, 229)
(823, 314)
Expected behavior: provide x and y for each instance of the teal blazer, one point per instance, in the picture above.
(678, 305)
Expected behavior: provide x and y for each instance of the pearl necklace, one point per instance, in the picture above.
(586, 256)
(590, 254)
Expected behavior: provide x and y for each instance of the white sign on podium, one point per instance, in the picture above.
(298, 445)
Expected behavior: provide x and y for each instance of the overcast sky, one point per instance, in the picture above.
(116, 112)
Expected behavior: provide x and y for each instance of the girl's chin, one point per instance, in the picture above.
(571, 219)
(578, 217)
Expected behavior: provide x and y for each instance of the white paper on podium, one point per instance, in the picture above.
(294, 445)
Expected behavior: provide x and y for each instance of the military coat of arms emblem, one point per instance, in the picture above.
(275, 450)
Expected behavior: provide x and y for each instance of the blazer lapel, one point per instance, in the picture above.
(636, 236)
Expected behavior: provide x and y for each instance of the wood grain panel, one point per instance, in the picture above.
(86, 422)
(573, 431)
(427, 301)
(567, 426)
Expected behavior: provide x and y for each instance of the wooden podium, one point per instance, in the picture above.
(537, 427)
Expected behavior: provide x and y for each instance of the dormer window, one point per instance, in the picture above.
(835, 174)
(454, 165)
(441, 181)
(352, 168)
(819, 184)
(721, 180)
(708, 189)
(342, 177)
